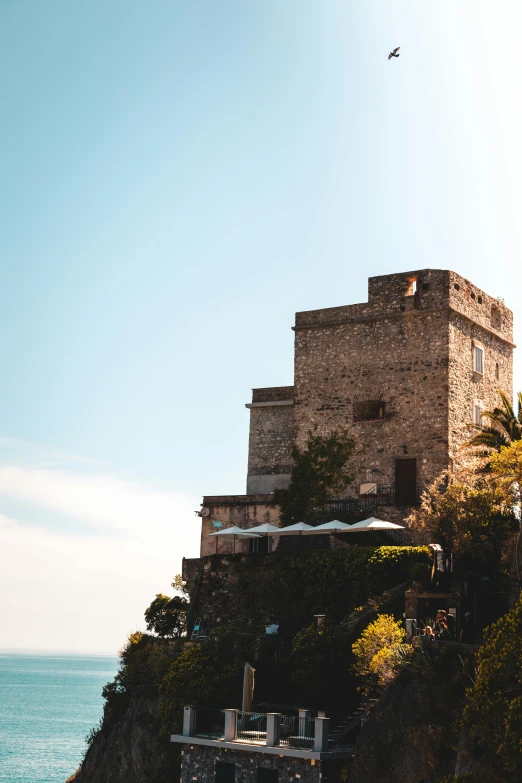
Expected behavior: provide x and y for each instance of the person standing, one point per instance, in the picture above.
(467, 632)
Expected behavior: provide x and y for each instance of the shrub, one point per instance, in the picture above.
(493, 713)
(470, 514)
(376, 651)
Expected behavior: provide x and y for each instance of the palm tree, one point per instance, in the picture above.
(505, 426)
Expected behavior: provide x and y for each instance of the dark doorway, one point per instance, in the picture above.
(405, 482)
(225, 772)
(266, 775)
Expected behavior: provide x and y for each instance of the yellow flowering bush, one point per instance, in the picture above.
(376, 651)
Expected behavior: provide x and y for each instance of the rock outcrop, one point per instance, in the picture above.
(132, 750)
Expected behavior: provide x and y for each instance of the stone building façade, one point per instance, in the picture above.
(405, 372)
(252, 766)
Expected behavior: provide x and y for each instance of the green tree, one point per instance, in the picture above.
(507, 469)
(505, 426)
(493, 713)
(469, 512)
(319, 472)
(166, 616)
(376, 651)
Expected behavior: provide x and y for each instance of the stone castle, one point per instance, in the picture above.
(406, 373)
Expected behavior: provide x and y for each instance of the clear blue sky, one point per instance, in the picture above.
(177, 180)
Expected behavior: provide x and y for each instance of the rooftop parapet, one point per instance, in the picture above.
(415, 292)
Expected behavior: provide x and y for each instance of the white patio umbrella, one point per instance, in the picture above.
(233, 531)
(296, 529)
(332, 527)
(264, 530)
(372, 523)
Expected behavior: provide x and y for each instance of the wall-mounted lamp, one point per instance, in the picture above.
(404, 448)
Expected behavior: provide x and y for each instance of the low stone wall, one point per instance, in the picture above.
(199, 764)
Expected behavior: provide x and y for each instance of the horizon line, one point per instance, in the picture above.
(63, 651)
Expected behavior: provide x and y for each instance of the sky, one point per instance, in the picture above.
(177, 180)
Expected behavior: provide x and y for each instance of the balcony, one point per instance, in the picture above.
(299, 734)
(352, 510)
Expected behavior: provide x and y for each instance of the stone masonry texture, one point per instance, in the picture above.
(199, 764)
(412, 352)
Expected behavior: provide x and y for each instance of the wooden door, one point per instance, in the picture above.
(405, 482)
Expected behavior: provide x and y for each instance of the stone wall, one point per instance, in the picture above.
(467, 387)
(245, 511)
(409, 351)
(270, 440)
(198, 763)
(401, 362)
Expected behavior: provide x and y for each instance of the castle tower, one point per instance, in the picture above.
(405, 373)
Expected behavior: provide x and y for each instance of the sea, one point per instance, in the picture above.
(48, 704)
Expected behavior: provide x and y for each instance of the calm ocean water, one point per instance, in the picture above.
(48, 703)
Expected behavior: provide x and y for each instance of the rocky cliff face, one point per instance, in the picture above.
(130, 751)
(409, 735)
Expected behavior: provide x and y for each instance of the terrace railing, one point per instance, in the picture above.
(251, 726)
(352, 510)
(210, 723)
(297, 732)
(272, 730)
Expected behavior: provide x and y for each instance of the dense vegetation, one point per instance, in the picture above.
(320, 471)
(493, 713)
(465, 708)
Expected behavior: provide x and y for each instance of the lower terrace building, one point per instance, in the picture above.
(406, 373)
(226, 746)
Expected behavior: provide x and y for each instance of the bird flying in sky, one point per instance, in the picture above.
(394, 53)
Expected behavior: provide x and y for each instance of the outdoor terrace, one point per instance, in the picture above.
(299, 735)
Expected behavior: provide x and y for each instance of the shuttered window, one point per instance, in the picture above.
(478, 359)
(477, 414)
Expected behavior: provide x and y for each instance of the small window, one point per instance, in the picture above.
(473, 294)
(497, 371)
(477, 413)
(225, 772)
(266, 775)
(479, 299)
(367, 410)
(478, 359)
(456, 286)
(412, 287)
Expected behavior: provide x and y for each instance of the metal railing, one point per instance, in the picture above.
(210, 723)
(296, 732)
(251, 726)
(352, 510)
(344, 735)
(386, 495)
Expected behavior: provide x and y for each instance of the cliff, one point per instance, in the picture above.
(130, 750)
(132, 745)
